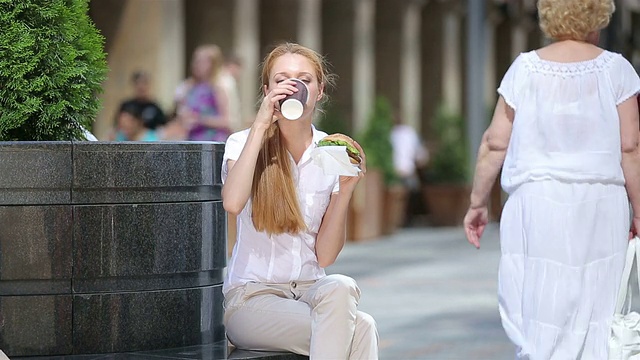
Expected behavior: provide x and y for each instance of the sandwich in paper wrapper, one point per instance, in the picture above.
(337, 155)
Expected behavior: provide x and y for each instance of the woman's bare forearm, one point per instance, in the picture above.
(492, 152)
(490, 160)
(631, 170)
(333, 231)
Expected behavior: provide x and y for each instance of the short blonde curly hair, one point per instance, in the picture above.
(574, 19)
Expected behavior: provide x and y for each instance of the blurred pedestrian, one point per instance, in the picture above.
(202, 105)
(228, 80)
(409, 154)
(130, 124)
(291, 225)
(566, 128)
(152, 115)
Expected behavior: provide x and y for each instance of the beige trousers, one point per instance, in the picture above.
(315, 318)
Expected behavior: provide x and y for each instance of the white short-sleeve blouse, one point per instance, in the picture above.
(281, 258)
(566, 124)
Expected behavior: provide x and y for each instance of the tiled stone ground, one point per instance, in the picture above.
(432, 294)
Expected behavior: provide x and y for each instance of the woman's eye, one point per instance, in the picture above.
(306, 80)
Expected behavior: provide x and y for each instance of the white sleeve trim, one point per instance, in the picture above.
(628, 96)
(507, 99)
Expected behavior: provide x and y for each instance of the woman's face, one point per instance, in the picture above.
(296, 66)
(142, 87)
(201, 66)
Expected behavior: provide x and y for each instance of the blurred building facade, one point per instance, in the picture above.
(411, 51)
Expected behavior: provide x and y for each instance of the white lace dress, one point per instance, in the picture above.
(564, 228)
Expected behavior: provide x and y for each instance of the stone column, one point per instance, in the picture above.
(338, 43)
(389, 16)
(310, 24)
(171, 52)
(411, 65)
(277, 23)
(490, 94)
(475, 58)
(634, 56)
(208, 22)
(451, 61)
(502, 52)
(502, 58)
(518, 39)
(246, 45)
(363, 62)
(150, 37)
(432, 67)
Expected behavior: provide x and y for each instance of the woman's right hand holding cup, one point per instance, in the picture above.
(267, 112)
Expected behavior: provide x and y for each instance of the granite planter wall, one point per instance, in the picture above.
(110, 247)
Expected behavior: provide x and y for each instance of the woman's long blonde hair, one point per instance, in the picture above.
(275, 204)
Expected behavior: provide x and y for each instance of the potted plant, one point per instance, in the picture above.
(446, 189)
(97, 239)
(370, 205)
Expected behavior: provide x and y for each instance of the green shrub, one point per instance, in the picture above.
(52, 65)
(376, 140)
(450, 161)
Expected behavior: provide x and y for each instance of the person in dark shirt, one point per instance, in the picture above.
(152, 115)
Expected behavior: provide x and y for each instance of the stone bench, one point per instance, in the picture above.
(237, 354)
(217, 351)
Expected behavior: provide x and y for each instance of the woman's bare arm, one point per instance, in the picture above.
(628, 114)
(237, 187)
(333, 230)
(491, 155)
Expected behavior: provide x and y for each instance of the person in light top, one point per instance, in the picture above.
(291, 224)
(565, 133)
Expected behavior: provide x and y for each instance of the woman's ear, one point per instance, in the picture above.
(264, 90)
(320, 92)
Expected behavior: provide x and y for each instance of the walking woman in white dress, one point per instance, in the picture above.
(565, 133)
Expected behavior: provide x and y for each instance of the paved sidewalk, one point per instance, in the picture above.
(432, 294)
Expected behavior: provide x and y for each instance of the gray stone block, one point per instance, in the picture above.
(123, 322)
(112, 173)
(35, 173)
(148, 246)
(35, 250)
(36, 325)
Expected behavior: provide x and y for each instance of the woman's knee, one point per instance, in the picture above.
(342, 286)
(366, 323)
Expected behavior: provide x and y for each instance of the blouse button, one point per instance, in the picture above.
(294, 285)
